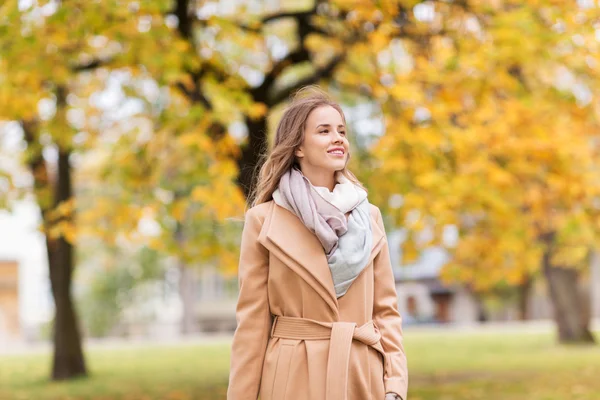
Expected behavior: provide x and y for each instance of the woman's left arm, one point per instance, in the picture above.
(387, 318)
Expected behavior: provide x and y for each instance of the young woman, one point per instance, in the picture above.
(317, 309)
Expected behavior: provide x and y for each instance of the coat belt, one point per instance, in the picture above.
(340, 335)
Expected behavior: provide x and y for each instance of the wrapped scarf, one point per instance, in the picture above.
(347, 242)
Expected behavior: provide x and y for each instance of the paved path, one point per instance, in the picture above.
(542, 326)
(12, 348)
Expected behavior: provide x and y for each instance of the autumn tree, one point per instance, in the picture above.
(48, 49)
(491, 127)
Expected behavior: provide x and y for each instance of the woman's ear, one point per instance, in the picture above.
(299, 153)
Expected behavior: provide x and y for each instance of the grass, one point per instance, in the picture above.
(442, 366)
(501, 366)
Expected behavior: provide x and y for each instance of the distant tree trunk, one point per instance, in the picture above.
(524, 292)
(187, 289)
(249, 161)
(567, 300)
(68, 355)
(481, 312)
(595, 284)
(187, 293)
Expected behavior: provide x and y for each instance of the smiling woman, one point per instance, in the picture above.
(317, 309)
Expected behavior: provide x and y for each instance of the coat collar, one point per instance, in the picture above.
(284, 234)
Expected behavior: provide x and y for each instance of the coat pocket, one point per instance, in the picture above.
(375, 375)
(282, 369)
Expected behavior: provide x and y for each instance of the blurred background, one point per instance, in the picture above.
(130, 132)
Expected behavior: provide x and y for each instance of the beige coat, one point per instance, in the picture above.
(295, 340)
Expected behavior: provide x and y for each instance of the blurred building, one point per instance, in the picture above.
(424, 298)
(159, 309)
(25, 296)
(216, 301)
(26, 301)
(10, 328)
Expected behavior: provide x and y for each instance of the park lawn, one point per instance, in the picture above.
(442, 366)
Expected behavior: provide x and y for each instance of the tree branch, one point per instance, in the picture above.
(288, 14)
(182, 11)
(37, 165)
(301, 54)
(320, 73)
(195, 94)
(260, 93)
(92, 64)
(185, 29)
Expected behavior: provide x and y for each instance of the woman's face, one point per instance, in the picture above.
(325, 145)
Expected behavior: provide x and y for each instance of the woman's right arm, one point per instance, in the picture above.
(252, 314)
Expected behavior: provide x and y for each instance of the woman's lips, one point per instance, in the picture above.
(336, 153)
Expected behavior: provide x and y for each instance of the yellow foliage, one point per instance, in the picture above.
(409, 252)
(178, 210)
(481, 129)
(257, 110)
(228, 264)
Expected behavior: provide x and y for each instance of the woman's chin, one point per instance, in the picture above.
(336, 167)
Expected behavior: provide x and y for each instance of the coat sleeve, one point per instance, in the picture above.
(387, 318)
(252, 315)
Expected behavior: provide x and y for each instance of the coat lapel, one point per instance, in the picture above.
(378, 237)
(284, 234)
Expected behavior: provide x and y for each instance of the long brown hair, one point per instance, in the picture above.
(288, 137)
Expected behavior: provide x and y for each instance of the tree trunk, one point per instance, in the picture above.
(187, 289)
(524, 291)
(68, 354)
(595, 284)
(187, 293)
(567, 300)
(68, 361)
(249, 162)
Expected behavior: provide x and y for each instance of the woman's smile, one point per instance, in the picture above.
(337, 152)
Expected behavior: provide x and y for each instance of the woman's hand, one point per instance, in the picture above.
(392, 396)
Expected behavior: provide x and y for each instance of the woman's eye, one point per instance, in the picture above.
(342, 133)
(325, 131)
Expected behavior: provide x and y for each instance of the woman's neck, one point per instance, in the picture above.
(320, 178)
